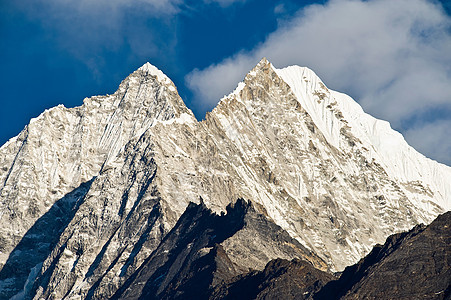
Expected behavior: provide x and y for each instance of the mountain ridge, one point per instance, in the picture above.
(153, 158)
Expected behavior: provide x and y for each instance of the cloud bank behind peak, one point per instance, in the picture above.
(393, 57)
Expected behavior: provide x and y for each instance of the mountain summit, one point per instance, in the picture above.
(91, 197)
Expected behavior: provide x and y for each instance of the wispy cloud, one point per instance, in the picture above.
(392, 56)
(432, 138)
(91, 29)
(210, 84)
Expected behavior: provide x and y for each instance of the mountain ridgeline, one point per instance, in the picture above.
(283, 184)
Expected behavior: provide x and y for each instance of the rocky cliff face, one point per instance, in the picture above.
(94, 190)
(55, 159)
(314, 174)
(281, 279)
(63, 148)
(410, 265)
(192, 259)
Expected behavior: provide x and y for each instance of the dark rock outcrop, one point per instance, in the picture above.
(191, 261)
(281, 279)
(188, 254)
(410, 265)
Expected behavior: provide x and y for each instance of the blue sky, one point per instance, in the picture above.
(392, 56)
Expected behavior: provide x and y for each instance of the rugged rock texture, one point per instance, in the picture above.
(303, 156)
(26, 259)
(94, 190)
(64, 148)
(410, 265)
(191, 261)
(281, 279)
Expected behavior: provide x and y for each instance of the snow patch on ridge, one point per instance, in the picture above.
(152, 70)
(238, 89)
(10, 141)
(183, 119)
(313, 95)
(235, 94)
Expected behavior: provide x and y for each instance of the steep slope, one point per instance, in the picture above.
(281, 279)
(63, 149)
(410, 265)
(129, 164)
(425, 181)
(315, 177)
(191, 261)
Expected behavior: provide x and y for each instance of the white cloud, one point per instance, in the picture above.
(218, 80)
(392, 56)
(432, 139)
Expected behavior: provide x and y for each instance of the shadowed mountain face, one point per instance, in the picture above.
(185, 262)
(191, 260)
(410, 265)
(192, 264)
(281, 279)
(25, 261)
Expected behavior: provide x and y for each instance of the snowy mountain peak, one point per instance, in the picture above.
(302, 133)
(65, 147)
(262, 63)
(152, 70)
(334, 113)
(339, 118)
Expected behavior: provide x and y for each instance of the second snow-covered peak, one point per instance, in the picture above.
(332, 111)
(337, 115)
